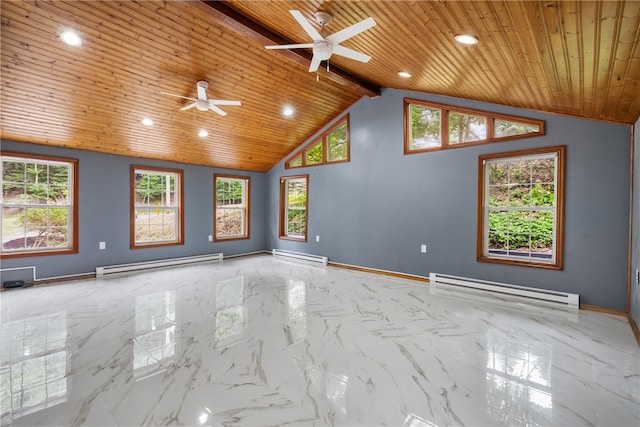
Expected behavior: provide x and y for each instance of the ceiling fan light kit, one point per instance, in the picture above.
(322, 50)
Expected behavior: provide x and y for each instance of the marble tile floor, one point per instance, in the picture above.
(259, 341)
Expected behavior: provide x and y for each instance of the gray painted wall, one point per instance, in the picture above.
(378, 209)
(635, 246)
(104, 215)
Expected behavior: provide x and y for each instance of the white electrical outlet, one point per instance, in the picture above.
(423, 249)
(102, 245)
(210, 238)
(317, 238)
(637, 277)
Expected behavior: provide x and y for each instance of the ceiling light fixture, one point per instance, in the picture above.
(203, 133)
(71, 38)
(466, 39)
(404, 74)
(147, 121)
(287, 111)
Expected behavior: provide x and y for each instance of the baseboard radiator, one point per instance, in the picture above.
(148, 265)
(562, 298)
(305, 257)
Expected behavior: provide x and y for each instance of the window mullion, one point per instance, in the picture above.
(444, 127)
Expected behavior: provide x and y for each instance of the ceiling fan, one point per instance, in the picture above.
(324, 47)
(202, 103)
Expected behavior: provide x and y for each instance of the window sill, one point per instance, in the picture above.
(295, 239)
(155, 245)
(34, 254)
(548, 266)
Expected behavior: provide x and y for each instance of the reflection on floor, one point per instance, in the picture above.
(35, 377)
(261, 341)
(155, 340)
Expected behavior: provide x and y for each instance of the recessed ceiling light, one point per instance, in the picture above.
(287, 111)
(203, 133)
(466, 39)
(404, 74)
(147, 121)
(71, 38)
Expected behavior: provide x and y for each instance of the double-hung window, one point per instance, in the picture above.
(293, 207)
(39, 205)
(156, 207)
(231, 216)
(521, 207)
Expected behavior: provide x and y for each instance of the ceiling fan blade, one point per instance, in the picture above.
(291, 46)
(223, 102)
(351, 31)
(315, 63)
(202, 92)
(217, 110)
(350, 53)
(186, 107)
(306, 25)
(179, 96)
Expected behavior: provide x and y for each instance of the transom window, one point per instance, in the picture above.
(156, 207)
(231, 195)
(430, 126)
(293, 207)
(39, 205)
(521, 207)
(331, 147)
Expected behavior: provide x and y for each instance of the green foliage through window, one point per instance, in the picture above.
(337, 141)
(294, 209)
(332, 146)
(425, 127)
(156, 207)
(296, 161)
(521, 205)
(466, 128)
(231, 207)
(37, 204)
(424, 122)
(504, 128)
(314, 154)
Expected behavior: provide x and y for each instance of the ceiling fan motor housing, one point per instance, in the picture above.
(323, 18)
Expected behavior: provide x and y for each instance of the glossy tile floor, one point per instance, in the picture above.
(260, 341)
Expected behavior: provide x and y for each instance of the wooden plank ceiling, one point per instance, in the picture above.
(579, 58)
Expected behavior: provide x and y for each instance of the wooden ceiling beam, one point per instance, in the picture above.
(236, 21)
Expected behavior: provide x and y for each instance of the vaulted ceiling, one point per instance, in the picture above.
(580, 58)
